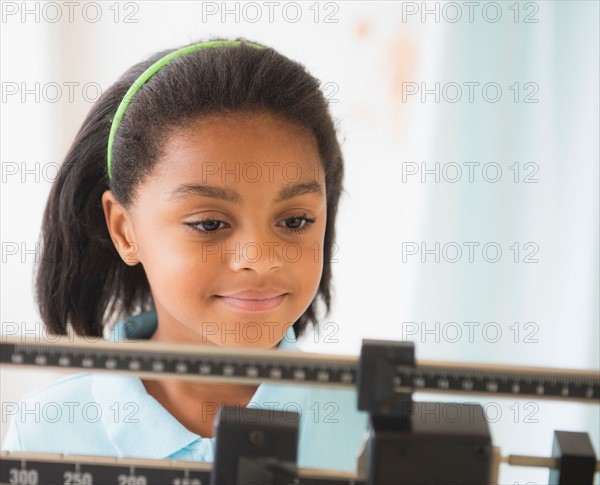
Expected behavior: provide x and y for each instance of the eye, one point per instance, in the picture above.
(207, 227)
(210, 227)
(300, 223)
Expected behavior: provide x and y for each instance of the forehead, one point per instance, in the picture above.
(240, 149)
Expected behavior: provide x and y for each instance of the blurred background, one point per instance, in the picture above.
(469, 222)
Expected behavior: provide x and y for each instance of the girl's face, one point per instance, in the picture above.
(233, 204)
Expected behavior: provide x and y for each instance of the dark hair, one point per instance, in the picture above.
(81, 278)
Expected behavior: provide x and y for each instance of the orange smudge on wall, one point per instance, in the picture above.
(362, 29)
(402, 60)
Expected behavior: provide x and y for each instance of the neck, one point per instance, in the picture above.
(194, 404)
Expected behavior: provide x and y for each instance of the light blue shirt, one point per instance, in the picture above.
(95, 413)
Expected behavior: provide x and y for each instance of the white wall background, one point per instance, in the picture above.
(369, 53)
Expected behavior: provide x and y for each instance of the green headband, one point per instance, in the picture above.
(148, 73)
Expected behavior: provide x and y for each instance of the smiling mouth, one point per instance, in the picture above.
(252, 305)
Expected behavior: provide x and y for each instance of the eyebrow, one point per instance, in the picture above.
(230, 195)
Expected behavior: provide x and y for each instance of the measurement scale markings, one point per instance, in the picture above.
(277, 368)
(502, 382)
(48, 472)
(241, 365)
(51, 468)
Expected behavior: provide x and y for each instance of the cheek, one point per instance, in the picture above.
(178, 267)
(306, 266)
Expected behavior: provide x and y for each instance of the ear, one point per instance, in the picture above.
(120, 228)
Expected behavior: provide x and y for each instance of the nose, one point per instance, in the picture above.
(257, 252)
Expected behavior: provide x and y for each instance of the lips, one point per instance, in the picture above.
(255, 294)
(253, 304)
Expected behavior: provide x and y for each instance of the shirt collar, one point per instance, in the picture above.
(137, 424)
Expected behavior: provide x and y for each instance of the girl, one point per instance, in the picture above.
(197, 204)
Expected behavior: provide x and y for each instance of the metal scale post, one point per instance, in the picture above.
(416, 447)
